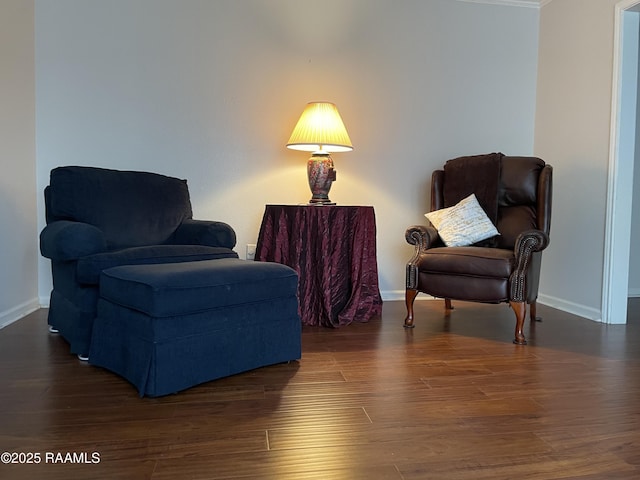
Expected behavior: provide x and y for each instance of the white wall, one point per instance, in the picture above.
(572, 133)
(18, 240)
(209, 90)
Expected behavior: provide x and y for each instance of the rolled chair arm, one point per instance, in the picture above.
(527, 244)
(205, 232)
(422, 237)
(64, 240)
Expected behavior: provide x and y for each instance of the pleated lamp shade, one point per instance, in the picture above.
(320, 128)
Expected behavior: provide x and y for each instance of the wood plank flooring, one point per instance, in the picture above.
(452, 399)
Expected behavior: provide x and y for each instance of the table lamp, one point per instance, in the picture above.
(320, 130)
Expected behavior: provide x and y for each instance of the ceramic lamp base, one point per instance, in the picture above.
(321, 175)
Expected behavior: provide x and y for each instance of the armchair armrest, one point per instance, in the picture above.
(64, 240)
(422, 237)
(530, 241)
(527, 243)
(205, 232)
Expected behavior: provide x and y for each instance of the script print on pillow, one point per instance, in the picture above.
(463, 224)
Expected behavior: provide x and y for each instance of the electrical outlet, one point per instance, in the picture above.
(251, 251)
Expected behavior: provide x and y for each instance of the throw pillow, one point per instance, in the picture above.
(463, 224)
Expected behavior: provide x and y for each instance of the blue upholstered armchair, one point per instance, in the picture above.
(98, 218)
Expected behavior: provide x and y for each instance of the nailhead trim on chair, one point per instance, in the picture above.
(526, 244)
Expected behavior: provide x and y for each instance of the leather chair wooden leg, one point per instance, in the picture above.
(410, 296)
(447, 304)
(520, 309)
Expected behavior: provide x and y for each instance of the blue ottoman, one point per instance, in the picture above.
(168, 327)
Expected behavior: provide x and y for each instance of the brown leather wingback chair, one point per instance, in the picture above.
(515, 192)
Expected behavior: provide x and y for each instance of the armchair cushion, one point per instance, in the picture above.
(90, 267)
(468, 261)
(477, 274)
(463, 224)
(104, 198)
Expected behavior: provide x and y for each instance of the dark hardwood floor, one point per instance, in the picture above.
(451, 399)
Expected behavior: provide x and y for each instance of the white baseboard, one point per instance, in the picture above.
(634, 292)
(9, 316)
(570, 307)
(566, 306)
(392, 295)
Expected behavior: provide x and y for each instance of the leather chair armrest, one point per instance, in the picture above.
(531, 241)
(422, 237)
(205, 232)
(527, 244)
(64, 240)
